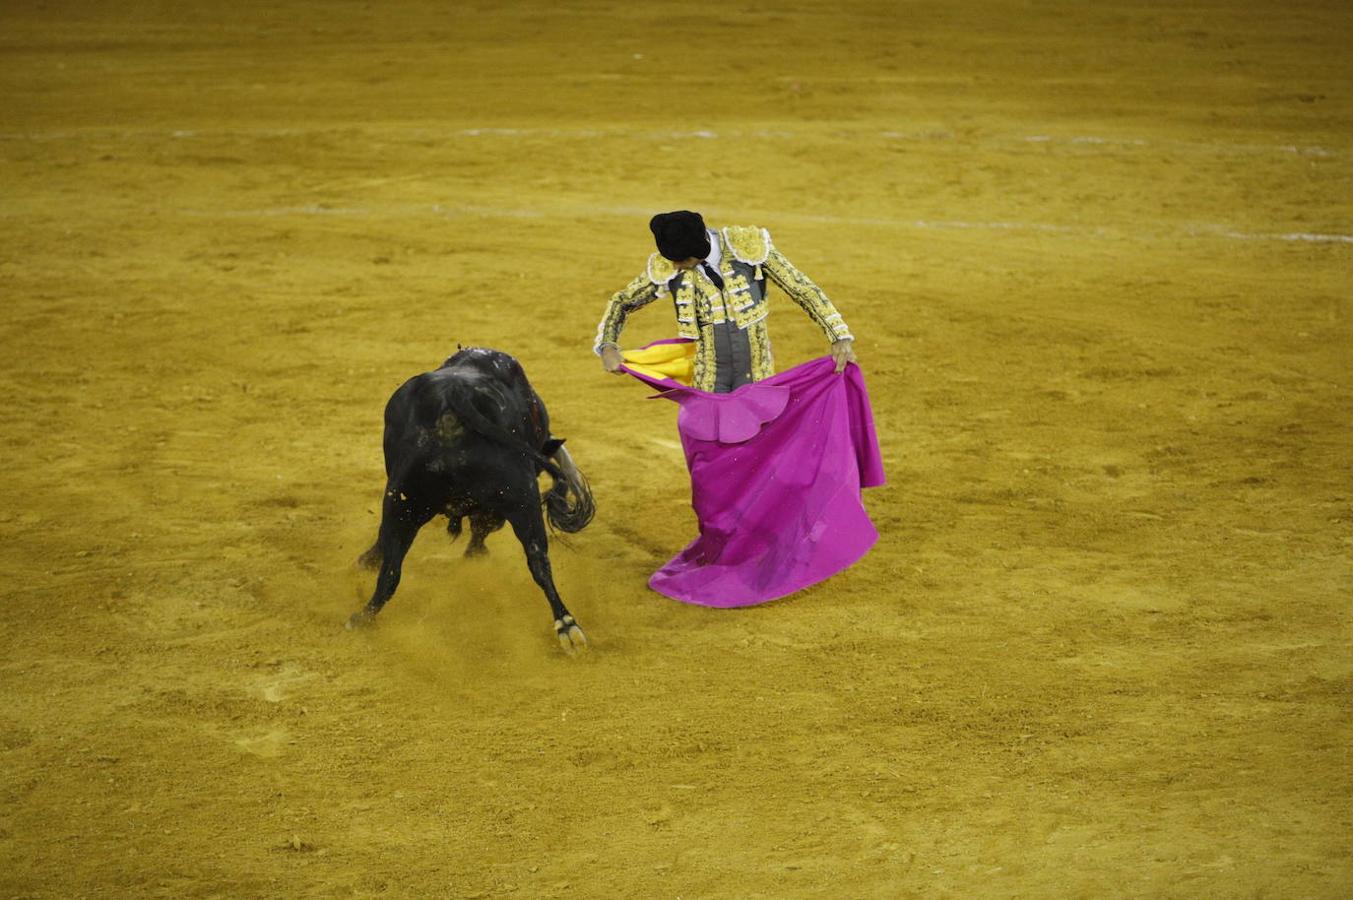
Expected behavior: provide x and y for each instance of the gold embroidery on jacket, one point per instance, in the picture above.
(705, 368)
(661, 270)
(712, 306)
(748, 243)
(758, 340)
(739, 291)
(757, 312)
(748, 246)
(700, 305)
(638, 293)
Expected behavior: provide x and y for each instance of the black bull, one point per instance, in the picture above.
(469, 440)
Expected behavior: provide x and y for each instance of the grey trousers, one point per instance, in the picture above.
(732, 358)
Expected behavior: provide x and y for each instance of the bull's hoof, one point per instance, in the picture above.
(473, 551)
(360, 619)
(570, 635)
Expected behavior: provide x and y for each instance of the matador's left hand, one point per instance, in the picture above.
(842, 353)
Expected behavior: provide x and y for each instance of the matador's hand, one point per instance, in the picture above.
(611, 359)
(842, 353)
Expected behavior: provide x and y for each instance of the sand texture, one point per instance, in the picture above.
(1098, 258)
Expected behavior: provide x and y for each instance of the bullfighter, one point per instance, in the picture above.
(717, 281)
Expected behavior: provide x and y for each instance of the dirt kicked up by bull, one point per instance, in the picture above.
(470, 440)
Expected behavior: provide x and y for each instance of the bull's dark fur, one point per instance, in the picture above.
(469, 440)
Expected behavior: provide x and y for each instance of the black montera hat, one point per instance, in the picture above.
(680, 235)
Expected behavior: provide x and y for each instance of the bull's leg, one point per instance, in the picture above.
(529, 526)
(482, 524)
(400, 522)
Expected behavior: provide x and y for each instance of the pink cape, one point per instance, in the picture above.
(776, 471)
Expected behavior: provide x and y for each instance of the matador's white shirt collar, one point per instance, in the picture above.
(715, 249)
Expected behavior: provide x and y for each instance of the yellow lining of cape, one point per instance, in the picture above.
(674, 361)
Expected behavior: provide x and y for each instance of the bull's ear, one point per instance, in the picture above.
(552, 446)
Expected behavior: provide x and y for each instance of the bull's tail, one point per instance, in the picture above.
(569, 504)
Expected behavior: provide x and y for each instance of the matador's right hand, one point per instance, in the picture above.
(611, 360)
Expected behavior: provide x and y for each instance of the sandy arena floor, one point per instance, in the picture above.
(1098, 257)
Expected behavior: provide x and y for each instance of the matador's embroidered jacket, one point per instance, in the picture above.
(748, 258)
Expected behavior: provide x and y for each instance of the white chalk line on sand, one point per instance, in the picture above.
(1287, 236)
(424, 133)
(496, 212)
